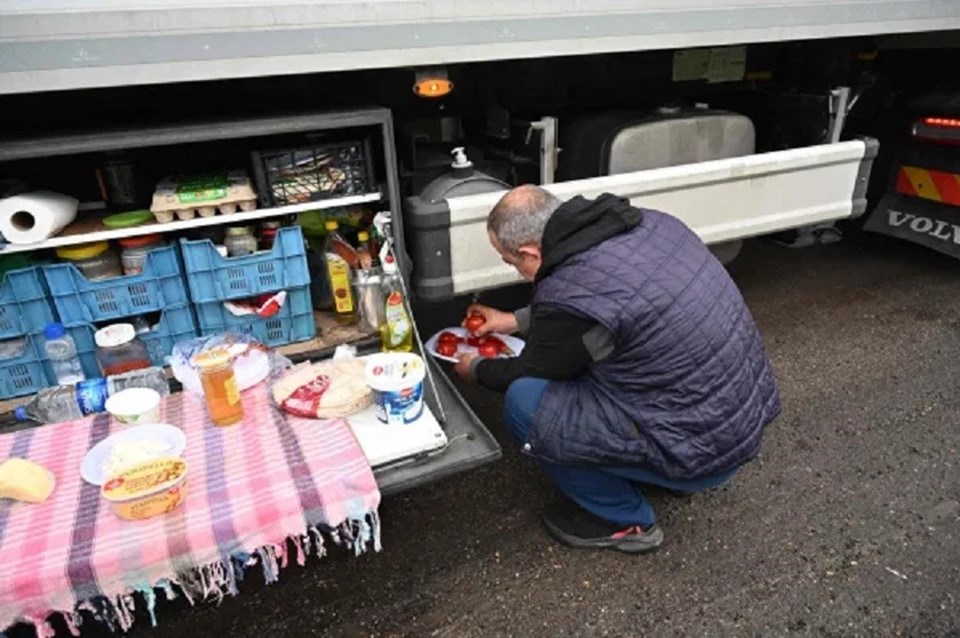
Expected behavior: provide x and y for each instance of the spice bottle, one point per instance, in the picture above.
(219, 382)
(365, 256)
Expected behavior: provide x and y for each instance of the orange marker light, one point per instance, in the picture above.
(432, 83)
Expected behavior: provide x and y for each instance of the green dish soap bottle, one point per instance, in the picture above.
(396, 328)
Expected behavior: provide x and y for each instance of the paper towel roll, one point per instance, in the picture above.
(32, 217)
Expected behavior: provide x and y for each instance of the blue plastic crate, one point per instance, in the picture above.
(176, 324)
(215, 278)
(78, 299)
(25, 305)
(24, 373)
(293, 323)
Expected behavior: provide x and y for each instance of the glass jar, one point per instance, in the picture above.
(267, 237)
(133, 257)
(95, 261)
(268, 234)
(119, 350)
(220, 391)
(240, 241)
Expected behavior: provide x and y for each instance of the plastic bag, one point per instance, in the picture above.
(252, 361)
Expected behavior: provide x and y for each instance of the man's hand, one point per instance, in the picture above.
(496, 320)
(463, 366)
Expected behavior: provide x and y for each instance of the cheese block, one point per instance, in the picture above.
(324, 390)
(24, 480)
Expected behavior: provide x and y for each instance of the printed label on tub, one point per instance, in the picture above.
(397, 408)
(397, 385)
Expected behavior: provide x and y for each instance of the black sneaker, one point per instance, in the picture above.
(574, 526)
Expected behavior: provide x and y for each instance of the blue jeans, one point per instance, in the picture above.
(610, 492)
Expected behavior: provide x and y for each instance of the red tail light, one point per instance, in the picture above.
(942, 122)
(942, 130)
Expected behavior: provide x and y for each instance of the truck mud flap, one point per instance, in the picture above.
(920, 221)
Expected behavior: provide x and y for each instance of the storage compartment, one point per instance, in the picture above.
(205, 279)
(215, 278)
(78, 299)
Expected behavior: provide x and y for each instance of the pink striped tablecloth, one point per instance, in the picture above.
(251, 487)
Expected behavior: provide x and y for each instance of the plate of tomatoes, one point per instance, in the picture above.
(449, 343)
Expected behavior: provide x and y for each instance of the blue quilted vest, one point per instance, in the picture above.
(688, 389)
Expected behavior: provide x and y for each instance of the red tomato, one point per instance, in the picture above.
(449, 337)
(492, 339)
(489, 350)
(475, 322)
(474, 342)
(446, 349)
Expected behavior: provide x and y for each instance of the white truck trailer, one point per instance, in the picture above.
(730, 116)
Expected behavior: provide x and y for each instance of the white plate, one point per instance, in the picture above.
(431, 345)
(92, 467)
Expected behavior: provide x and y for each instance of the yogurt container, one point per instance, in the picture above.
(135, 406)
(149, 489)
(396, 379)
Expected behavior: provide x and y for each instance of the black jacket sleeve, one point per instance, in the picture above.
(559, 346)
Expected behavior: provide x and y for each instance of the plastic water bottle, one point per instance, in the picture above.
(62, 353)
(73, 401)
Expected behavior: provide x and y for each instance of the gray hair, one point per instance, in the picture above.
(521, 215)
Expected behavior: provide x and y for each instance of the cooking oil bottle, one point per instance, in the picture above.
(396, 329)
(339, 255)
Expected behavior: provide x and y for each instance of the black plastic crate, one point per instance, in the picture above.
(314, 172)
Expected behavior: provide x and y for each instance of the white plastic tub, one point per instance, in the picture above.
(396, 379)
(135, 406)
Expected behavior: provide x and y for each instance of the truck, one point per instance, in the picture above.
(743, 120)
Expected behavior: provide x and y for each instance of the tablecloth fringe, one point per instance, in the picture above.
(221, 578)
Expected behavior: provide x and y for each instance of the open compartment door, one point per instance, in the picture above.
(721, 200)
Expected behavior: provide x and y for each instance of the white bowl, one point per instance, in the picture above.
(135, 406)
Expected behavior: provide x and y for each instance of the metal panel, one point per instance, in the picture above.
(682, 140)
(76, 44)
(471, 445)
(722, 200)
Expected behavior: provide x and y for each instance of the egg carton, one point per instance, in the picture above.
(186, 197)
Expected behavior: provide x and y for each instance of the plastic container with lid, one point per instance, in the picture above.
(119, 350)
(396, 379)
(95, 261)
(220, 391)
(240, 241)
(135, 250)
(148, 489)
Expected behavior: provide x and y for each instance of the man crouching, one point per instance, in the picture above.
(642, 363)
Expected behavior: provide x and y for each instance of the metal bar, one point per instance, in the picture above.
(839, 98)
(549, 131)
(166, 135)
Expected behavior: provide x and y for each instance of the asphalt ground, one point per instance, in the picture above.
(847, 524)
